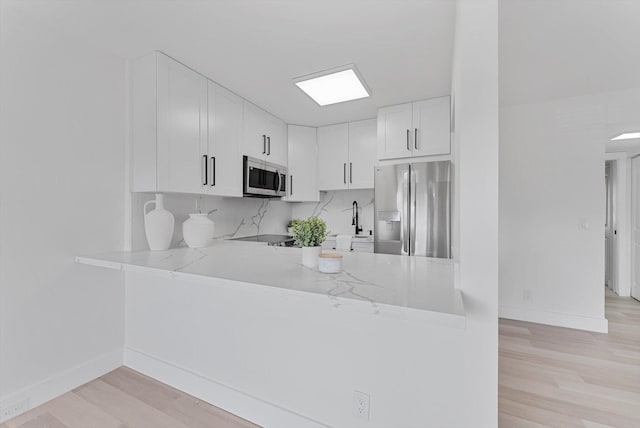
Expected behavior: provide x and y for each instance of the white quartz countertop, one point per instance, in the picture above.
(409, 287)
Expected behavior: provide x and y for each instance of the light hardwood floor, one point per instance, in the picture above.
(558, 377)
(126, 399)
(549, 377)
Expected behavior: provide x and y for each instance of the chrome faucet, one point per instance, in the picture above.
(354, 219)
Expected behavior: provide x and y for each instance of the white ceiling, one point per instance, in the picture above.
(553, 49)
(403, 48)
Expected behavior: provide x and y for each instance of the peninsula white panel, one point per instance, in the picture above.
(244, 338)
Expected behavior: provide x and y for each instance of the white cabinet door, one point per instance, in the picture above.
(362, 153)
(333, 156)
(303, 164)
(431, 127)
(276, 140)
(254, 138)
(395, 128)
(182, 115)
(224, 135)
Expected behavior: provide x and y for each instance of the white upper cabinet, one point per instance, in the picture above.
(264, 135)
(182, 127)
(431, 127)
(277, 141)
(224, 124)
(414, 129)
(189, 133)
(303, 164)
(362, 153)
(333, 156)
(186, 131)
(346, 155)
(169, 126)
(394, 131)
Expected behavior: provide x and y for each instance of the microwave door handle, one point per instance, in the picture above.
(276, 184)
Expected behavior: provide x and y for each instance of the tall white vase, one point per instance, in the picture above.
(158, 225)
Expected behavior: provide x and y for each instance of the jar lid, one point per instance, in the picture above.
(330, 256)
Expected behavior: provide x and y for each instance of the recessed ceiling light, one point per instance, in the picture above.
(334, 86)
(627, 136)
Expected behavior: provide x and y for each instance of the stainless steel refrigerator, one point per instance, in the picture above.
(413, 209)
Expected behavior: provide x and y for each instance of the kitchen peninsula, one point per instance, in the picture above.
(248, 327)
(418, 287)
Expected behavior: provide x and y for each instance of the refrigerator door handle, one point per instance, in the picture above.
(412, 212)
(448, 216)
(406, 217)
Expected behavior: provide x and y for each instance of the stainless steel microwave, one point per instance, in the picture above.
(263, 179)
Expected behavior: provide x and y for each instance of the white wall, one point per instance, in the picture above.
(552, 207)
(61, 180)
(475, 145)
(336, 208)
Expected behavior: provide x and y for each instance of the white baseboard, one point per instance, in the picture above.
(61, 383)
(251, 408)
(519, 313)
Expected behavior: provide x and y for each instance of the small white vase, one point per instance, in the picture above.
(158, 225)
(310, 256)
(198, 230)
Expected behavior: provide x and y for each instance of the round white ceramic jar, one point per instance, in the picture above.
(330, 262)
(198, 230)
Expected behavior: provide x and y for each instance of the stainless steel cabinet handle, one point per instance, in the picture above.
(350, 172)
(344, 173)
(213, 170)
(264, 144)
(415, 139)
(268, 146)
(203, 170)
(291, 185)
(408, 143)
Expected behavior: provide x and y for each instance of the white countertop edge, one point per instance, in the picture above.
(457, 320)
(99, 263)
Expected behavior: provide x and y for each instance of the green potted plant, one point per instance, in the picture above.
(310, 233)
(290, 226)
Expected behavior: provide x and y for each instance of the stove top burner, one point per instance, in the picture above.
(274, 240)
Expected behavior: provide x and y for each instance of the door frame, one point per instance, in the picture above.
(634, 204)
(621, 269)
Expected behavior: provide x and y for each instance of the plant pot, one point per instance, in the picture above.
(310, 256)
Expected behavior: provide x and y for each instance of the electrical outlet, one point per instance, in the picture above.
(12, 410)
(361, 405)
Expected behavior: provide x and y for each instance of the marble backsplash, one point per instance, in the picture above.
(335, 208)
(234, 217)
